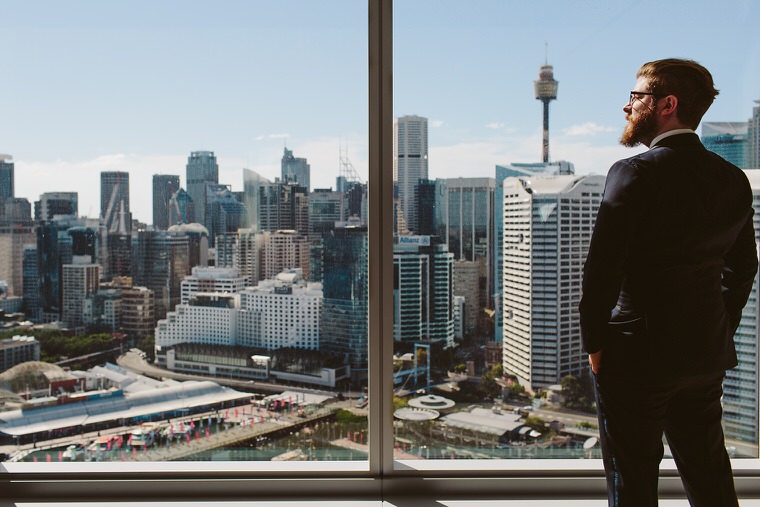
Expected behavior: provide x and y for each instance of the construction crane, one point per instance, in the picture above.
(173, 197)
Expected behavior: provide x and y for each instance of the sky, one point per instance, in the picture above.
(89, 86)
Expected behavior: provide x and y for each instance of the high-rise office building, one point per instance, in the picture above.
(326, 208)
(31, 282)
(12, 243)
(547, 224)
(294, 169)
(727, 139)
(114, 199)
(160, 261)
(6, 180)
(164, 187)
(52, 204)
(518, 170)
(345, 285)
(224, 212)
(464, 218)
(753, 139)
(244, 251)
(181, 208)
(138, 317)
(18, 213)
(197, 242)
(54, 250)
(740, 386)
(80, 281)
(467, 274)
(202, 169)
(281, 206)
(215, 279)
(423, 275)
(410, 164)
(285, 250)
(253, 184)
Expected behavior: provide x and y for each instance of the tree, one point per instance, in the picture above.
(578, 392)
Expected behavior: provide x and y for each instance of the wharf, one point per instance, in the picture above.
(226, 438)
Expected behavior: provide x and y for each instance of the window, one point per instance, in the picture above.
(474, 26)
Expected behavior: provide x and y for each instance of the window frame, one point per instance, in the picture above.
(381, 477)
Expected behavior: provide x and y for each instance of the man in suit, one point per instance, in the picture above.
(670, 266)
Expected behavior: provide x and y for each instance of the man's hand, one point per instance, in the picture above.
(595, 360)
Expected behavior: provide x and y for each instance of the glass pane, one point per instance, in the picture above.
(490, 235)
(183, 204)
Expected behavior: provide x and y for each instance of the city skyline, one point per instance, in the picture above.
(90, 88)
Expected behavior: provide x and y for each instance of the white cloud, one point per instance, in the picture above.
(436, 123)
(495, 125)
(587, 129)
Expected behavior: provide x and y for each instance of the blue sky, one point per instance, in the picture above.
(88, 86)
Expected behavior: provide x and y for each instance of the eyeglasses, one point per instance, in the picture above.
(635, 96)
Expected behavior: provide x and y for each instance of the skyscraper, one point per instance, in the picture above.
(114, 199)
(224, 213)
(282, 206)
(410, 163)
(201, 169)
(160, 261)
(325, 209)
(294, 169)
(164, 186)
(740, 389)
(345, 284)
(56, 203)
(423, 274)
(464, 218)
(244, 251)
(286, 250)
(526, 171)
(547, 223)
(6, 180)
(753, 139)
(80, 280)
(727, 139)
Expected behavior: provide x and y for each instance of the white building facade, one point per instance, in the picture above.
(410, 163)
(547, 226)
(211, 279)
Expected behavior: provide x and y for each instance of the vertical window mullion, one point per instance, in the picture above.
(380, 237)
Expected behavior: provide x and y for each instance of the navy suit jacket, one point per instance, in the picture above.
(671, 262)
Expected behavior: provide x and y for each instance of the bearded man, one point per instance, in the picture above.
(669, 269)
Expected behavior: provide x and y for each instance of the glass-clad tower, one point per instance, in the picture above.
(727, 139)
(201, 170)
(164, 187)
(345, 284)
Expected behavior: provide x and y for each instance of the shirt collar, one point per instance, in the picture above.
(668, 134)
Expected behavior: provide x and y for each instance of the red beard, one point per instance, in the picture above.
(641, 130)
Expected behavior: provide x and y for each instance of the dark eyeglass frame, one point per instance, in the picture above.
(634, 94)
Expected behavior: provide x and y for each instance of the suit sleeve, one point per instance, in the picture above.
(618, 218)
(739, 270)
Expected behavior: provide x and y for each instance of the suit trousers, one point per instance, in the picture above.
(634, 413)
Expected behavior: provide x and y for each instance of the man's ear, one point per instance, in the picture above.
(669, 105)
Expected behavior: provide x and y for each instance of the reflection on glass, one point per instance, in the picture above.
(230, 325)
(510, 188)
